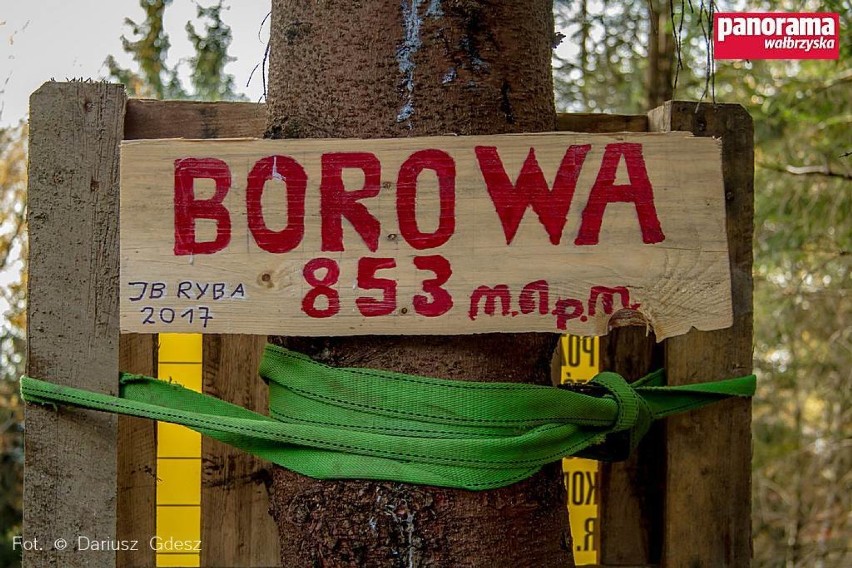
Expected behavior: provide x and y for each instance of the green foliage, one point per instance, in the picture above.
(156, 78)
(607, 72)
(608, 66)
(802, 281)
(803, 341)
(13, 246)
(802, 112)
(209, 79)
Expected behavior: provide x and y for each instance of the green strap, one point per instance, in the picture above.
(345, 423)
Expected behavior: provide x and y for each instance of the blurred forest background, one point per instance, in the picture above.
(623, 57)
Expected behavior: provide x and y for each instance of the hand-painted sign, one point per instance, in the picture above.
(542, 232)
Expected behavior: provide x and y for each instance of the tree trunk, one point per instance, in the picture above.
(661, 54)
(394, 68)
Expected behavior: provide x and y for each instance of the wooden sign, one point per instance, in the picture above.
(551, 232)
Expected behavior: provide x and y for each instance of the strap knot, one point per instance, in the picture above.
(631, 423)
(629, 402)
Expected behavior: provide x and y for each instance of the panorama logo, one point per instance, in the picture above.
(776, 36)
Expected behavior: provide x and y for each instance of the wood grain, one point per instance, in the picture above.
(72, 315)
(708, 467)
(632, 491)
(678, 283)
(236, 527)
(601, 123)
(193, 119)
(631, 504)
(137, 460)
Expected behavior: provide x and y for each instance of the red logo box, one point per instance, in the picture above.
(776, 35)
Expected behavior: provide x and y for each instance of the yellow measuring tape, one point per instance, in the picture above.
(179, 460)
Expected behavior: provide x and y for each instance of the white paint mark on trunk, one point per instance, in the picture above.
(411, 43)
(409, 533)
(434, 10)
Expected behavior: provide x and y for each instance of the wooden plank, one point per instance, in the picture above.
(629, 523)
(193, 119)
(708, 468)
(668, 263)
(602, 123)
(137, 460)
(72, 313)
(151, 119)
(237, 529)
(632, 491)
(233, 483)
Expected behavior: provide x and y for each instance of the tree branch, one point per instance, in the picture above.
(825, 171)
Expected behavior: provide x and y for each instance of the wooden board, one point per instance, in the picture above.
(148, 118)
(466, 257)
(708, 465)
(632, 491)
(598, 122)
(236, 527)
(137, 460)
(72, 316)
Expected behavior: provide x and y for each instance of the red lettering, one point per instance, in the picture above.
(562, 313)
(188, 208)
(607, 295)
(337, 203)
(406, 198)
(527, 299)
(531, 189)
(367, 280)
(491, 295)
(605, 191)
(321, 286)
(441, 301)
(295, 181)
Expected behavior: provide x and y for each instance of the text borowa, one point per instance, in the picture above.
(776, 36)
(433, 235)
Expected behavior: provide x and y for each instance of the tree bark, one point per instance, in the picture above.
(395, 68)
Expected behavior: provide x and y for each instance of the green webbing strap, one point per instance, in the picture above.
(333, 423)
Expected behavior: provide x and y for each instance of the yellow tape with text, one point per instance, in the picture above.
(580, 362)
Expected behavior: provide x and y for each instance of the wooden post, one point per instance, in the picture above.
(630, 519)
(632, 491)
(137, 460)
(708, 466)
(72, 335)
(237, 529)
